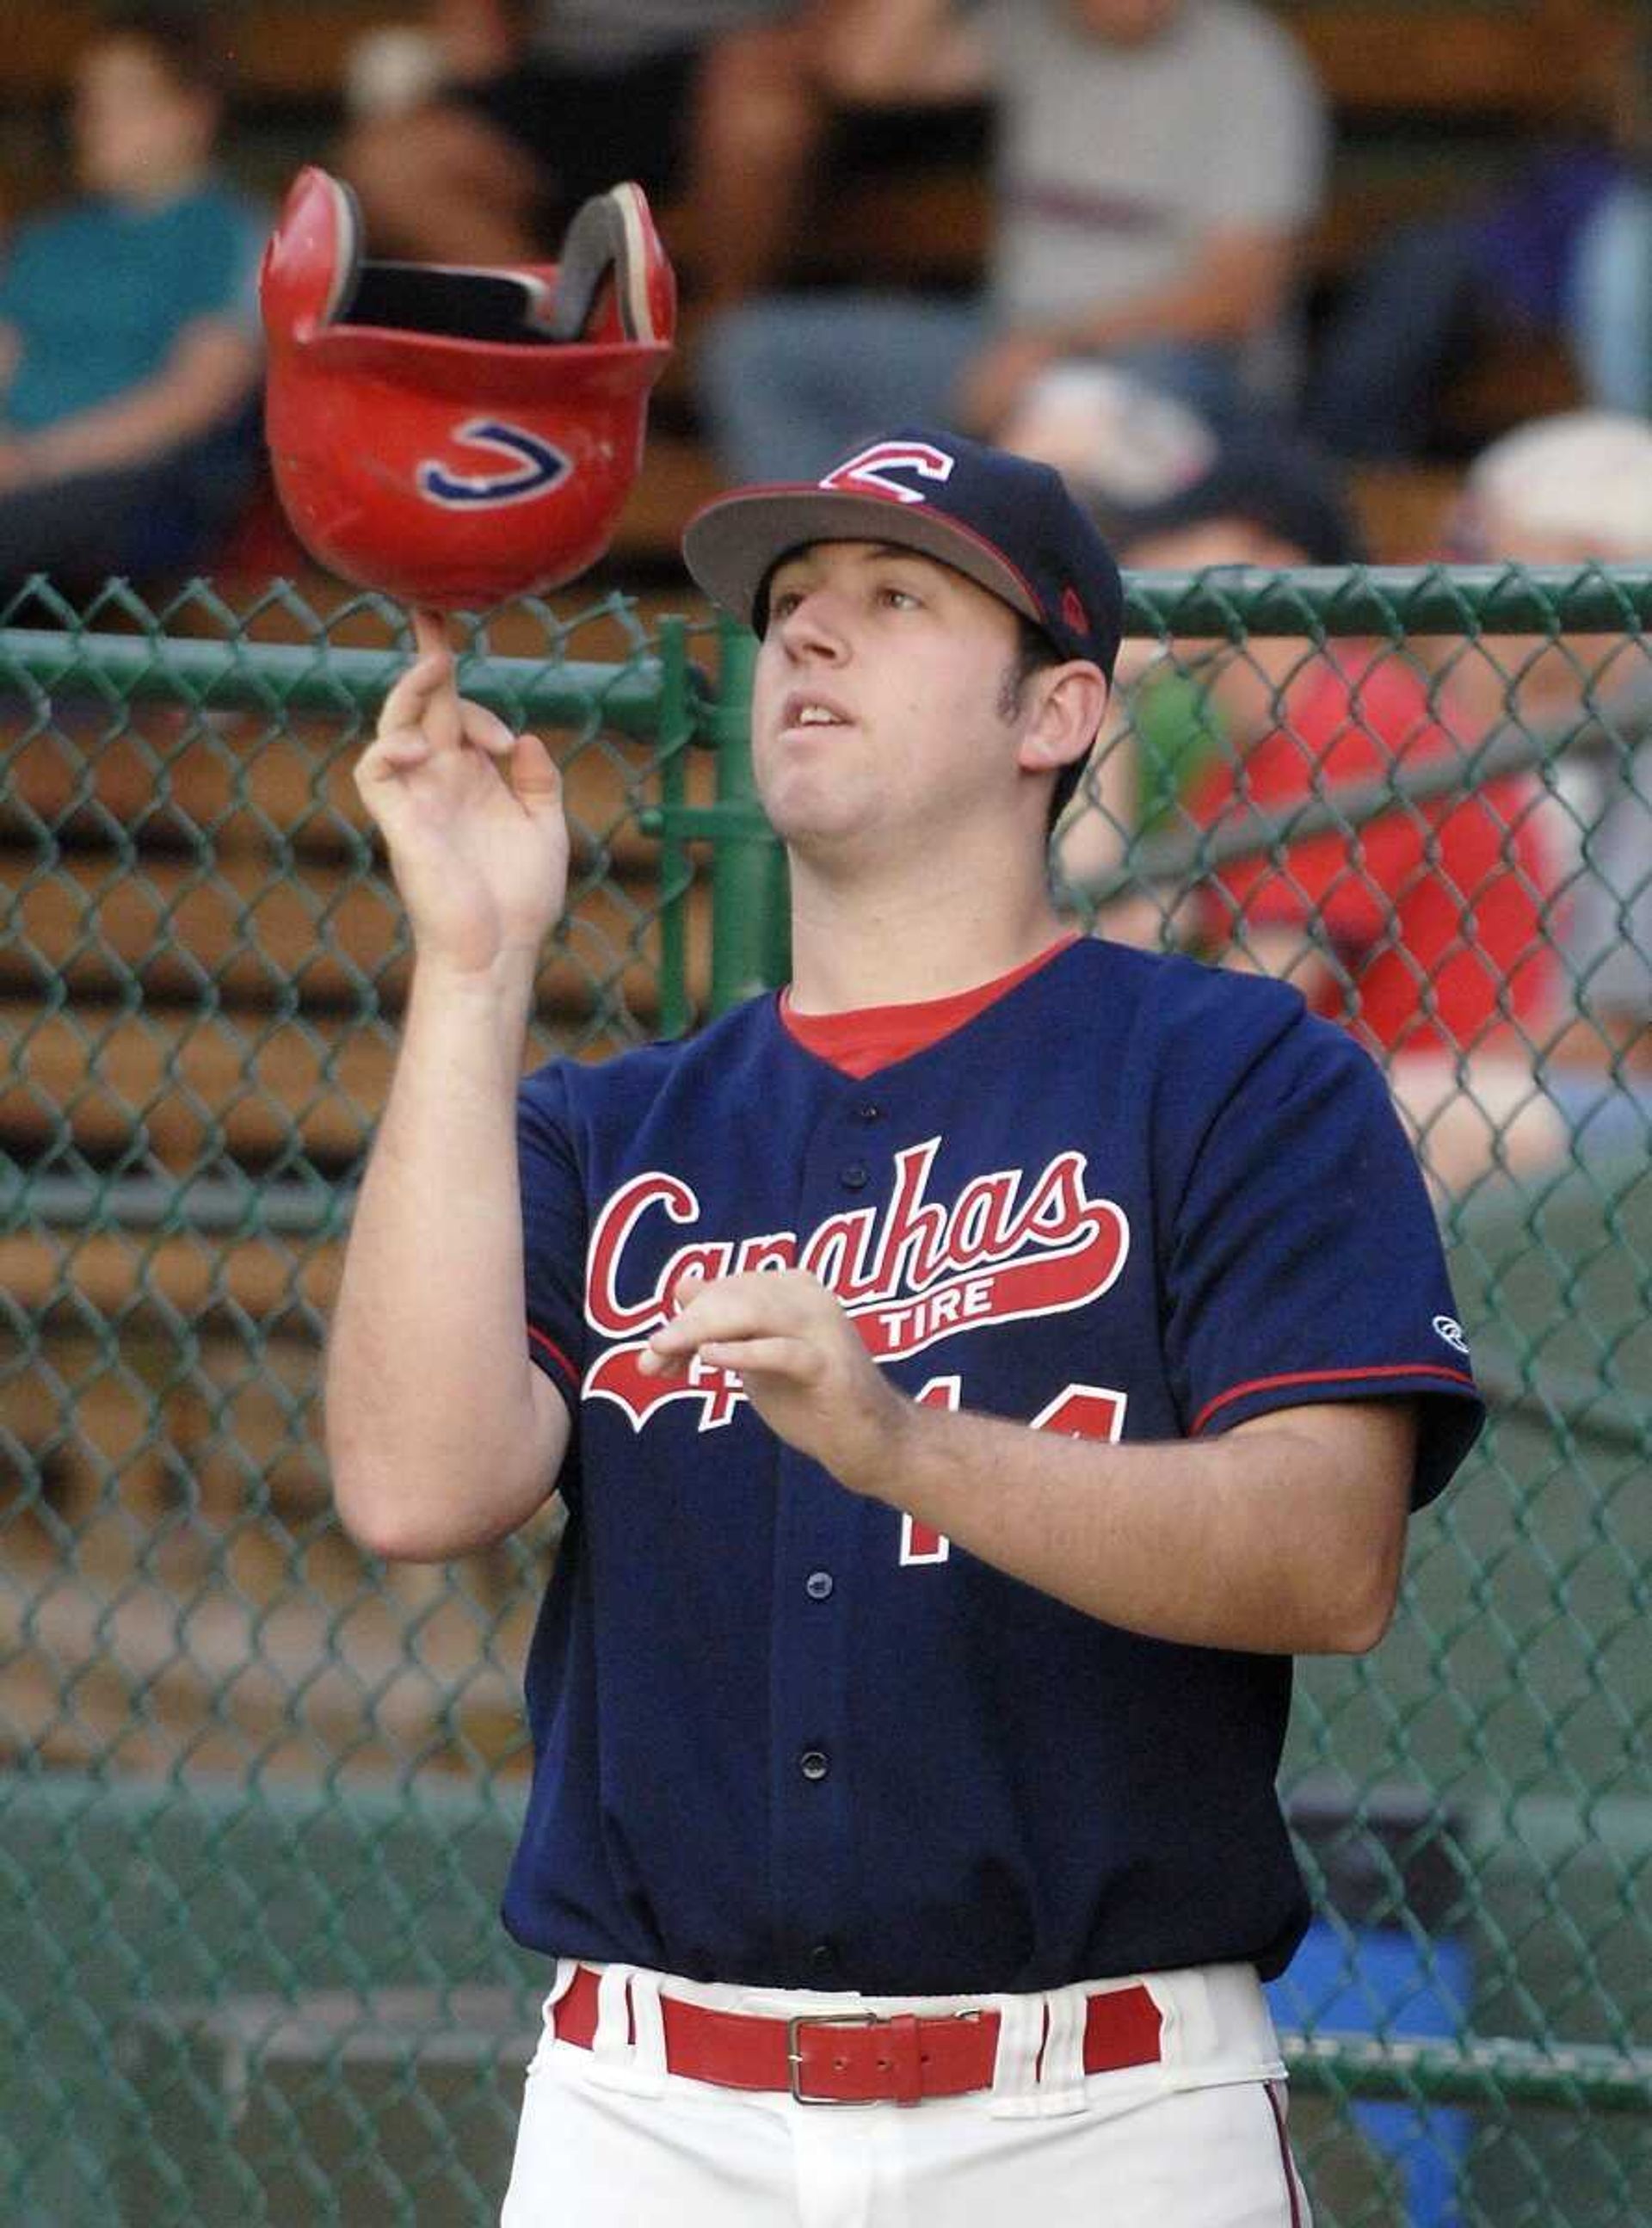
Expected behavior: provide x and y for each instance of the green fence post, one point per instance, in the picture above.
(676, 874)
(748, 932)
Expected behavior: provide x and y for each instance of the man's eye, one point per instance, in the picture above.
(783, 605)
(901, 600)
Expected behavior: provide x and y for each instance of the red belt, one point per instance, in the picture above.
(861, 2058)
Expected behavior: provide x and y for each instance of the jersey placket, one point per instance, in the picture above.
(819, 1535)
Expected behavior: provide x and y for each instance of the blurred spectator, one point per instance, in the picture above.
(1420, 925)
(531, 110)
(129, 338)
(1119, 442)
(392, 71)
(1443, 287)
(1565, 492)
(1157, 162)
(1114, 437)
(1612, 298)
(1611, 304)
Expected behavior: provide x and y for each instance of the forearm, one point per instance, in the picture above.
(1229, 1542)
(875, 54)
(189, 399)
(1228, 292)
(432, 1424)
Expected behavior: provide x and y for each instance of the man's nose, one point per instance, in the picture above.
(814, 626)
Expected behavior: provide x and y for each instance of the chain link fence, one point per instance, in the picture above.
(259, 1791)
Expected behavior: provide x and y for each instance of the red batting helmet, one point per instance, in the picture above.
(452, 435)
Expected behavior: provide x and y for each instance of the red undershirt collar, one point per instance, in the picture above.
(871, 1037)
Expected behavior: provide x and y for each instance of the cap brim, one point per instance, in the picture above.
(735, 542)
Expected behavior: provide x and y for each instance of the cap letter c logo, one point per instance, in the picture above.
(864, 474)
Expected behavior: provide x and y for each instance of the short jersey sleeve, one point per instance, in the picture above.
(555, 1222)
(1302, 1262)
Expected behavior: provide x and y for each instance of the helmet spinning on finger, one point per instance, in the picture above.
(455, 435)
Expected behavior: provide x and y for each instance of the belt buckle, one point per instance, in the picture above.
(794, 2055)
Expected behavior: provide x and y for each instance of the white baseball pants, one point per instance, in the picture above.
(609, 2139)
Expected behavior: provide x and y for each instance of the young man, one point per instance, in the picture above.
(970, 1375)
(129, 340)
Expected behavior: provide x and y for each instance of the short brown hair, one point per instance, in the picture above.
(181, 40)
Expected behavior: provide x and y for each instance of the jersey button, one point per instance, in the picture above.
(822, 1959)
(855, 1177)
(814, 1763)
(818, 1586)
(869, 1112)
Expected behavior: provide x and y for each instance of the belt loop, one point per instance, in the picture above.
(1038, 2074)
(565, 1969)
(561, 1983)
(628, 2049)
(612, 2043)
(1187, 2037)
(1061, 2070)
(648, 2025)
(1014, 2072)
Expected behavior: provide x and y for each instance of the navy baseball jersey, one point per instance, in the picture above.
(783, 1735)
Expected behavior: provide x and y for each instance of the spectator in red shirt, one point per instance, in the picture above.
(1424, 925)
(1425, 922)
(1574, 491)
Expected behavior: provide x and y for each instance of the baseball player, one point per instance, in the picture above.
(970, 1374)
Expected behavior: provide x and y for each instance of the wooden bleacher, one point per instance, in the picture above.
(201, 981)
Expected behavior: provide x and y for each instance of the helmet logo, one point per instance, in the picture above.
(864, 474)
(535, 466)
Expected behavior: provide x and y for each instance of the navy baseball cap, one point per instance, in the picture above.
(1008, 524)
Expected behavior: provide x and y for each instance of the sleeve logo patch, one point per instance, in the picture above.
(1449, 1329)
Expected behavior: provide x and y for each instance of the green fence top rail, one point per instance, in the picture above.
(1397, 602)
(1566, 2075)
(324, 677)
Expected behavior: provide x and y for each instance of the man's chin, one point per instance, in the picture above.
(807, 817)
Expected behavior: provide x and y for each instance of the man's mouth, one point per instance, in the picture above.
(803, 710)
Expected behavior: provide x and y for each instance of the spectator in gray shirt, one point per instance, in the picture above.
(1158, 164)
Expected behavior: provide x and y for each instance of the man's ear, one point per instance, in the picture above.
(1068, 702)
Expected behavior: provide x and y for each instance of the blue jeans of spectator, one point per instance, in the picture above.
(1381, 357)
(1384, 1981)
(1611, 300)
(171, 512)
(789, 384)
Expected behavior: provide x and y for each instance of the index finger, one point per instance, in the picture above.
(428, 686)
(415, 691)
(430, 630)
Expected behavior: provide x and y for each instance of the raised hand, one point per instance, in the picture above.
(471, 816)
